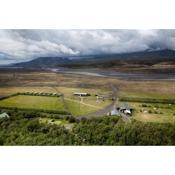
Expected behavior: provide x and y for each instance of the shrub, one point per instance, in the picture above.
(72, 119)
(33, 125)
(149, 111)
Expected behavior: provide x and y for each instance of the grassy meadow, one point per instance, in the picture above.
(72, 104)
(33, 102)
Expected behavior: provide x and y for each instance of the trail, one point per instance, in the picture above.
(105, 110)
(82, 103)
(63, 99)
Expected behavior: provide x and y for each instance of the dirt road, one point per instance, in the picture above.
(104, 111)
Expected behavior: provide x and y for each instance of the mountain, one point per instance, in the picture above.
(112, 60)
(43, 62)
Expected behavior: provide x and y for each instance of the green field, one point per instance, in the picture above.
(33, 102)
(153, 112)
(78, 109)
(151, 107)
(146, 95)
(72, 104)
(87, 105)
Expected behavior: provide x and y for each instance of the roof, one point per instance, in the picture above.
(80, 93)
(128, 111)
(4, 115)
(125, 106)
(115, 112)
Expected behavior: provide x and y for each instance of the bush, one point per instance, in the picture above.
(72, 119)
(147, 100)
(33, 125)
(149, 111)
(37, 110)
(144, 105)
(31, 115)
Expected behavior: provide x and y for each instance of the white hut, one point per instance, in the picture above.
(81, 94)
(4, 115)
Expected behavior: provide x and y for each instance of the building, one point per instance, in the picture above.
(125, 109)
(4, 115)
(81, 94)
(104, 96)
(118, 111)
(114, 112)
(99, 98)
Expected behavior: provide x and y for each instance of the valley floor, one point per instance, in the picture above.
(15, 81)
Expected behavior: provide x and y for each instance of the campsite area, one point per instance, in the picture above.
(41, 87)
(47, 108)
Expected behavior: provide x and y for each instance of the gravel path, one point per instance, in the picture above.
(101, 112)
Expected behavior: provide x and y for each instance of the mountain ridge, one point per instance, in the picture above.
(145, 58)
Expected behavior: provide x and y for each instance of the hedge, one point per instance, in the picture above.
(38, 110)
(147, 100)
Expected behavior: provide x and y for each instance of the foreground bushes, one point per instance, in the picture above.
(36, 110)
(22, 130)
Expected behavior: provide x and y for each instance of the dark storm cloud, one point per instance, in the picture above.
(28, 44)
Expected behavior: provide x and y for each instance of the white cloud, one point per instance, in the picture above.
(27, 44)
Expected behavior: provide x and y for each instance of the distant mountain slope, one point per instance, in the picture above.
(44, 62)
(142, 58)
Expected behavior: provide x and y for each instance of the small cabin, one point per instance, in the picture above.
(81, 94)
(4, 115)
(125, 109)
(114, 112)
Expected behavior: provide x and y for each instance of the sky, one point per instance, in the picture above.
(24, 45)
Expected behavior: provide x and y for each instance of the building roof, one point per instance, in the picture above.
(128, 111)
(125, 106)
(115, 112)
(80, 93)
(4, 115)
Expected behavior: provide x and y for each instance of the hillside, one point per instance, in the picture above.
(146, 58)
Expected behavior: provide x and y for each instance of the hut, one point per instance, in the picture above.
(81, 94)
(4, 115)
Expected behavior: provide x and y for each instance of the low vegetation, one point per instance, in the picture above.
(25, 128)
(147, 100)
(37, 119)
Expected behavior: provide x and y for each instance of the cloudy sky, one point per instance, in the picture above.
(21, 45)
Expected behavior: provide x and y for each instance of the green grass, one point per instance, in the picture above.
(148, 95)
(33, 102)
(153, 112)
(159, 107)
(90, 105)
(78, 109)
(92, 100)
